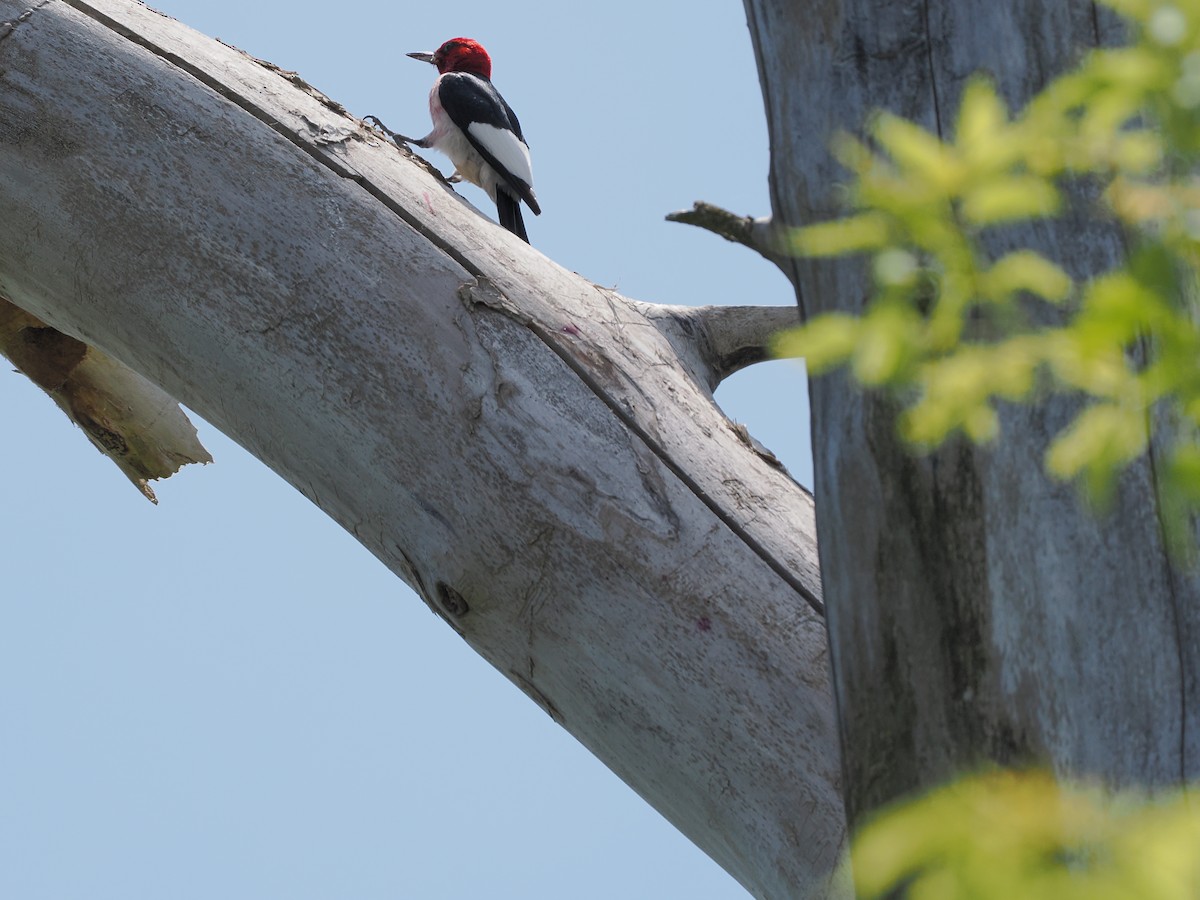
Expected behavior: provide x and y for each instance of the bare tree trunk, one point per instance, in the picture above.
(538, 457)
(978, 613)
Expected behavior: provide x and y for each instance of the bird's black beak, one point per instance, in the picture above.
(422, 56)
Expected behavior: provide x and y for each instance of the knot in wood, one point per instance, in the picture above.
(451, 601)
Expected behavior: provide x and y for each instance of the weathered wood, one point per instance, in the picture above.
(978, 613)
(713, 342)
(522, 447)
(759, 234)
(125, 417)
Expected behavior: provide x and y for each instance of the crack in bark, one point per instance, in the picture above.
(534, 600)
(486, 293)
(1174, 600)
(731, 522)
(937, 105)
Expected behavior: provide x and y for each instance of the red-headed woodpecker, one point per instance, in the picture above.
(478, 131)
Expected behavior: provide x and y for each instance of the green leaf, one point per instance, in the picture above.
(1004, 835)
(896, 268)
(1185, 469)
(1025, 270)
(889, 337)
(824, 342)
(1117, 308)
(1080, 360)
(853, 154)
(948, 331)
(854, 234)
(1167, 26)
(957, 390)
(1137, 152)
(1101, 438)
(981, 424)
(1010, 198)
(981, 116)
(1156, 269)
(921, 156)
(986, 140)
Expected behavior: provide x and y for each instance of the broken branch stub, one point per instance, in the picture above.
(128, 419)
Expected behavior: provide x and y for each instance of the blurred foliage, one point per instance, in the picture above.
(953, 331)
(1006, 835)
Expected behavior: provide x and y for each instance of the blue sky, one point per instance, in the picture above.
(225, 695)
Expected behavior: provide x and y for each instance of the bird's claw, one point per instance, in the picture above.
(395, 136)
(377, 125)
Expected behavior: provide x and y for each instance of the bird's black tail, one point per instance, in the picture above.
(508, 208)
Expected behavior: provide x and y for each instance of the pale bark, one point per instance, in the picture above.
(525, 449)
(713, 342)
(978, 611)
(759, 234)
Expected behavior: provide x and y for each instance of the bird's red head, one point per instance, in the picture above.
(463, 55)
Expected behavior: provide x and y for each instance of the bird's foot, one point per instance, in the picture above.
(377, 125)
(396, 137)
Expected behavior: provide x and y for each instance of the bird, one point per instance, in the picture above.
(477, 129)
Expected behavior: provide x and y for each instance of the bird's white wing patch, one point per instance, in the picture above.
(506, 147)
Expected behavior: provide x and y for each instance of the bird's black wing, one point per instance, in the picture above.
(476, 107)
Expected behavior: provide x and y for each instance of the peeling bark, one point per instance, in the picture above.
(126, 418)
